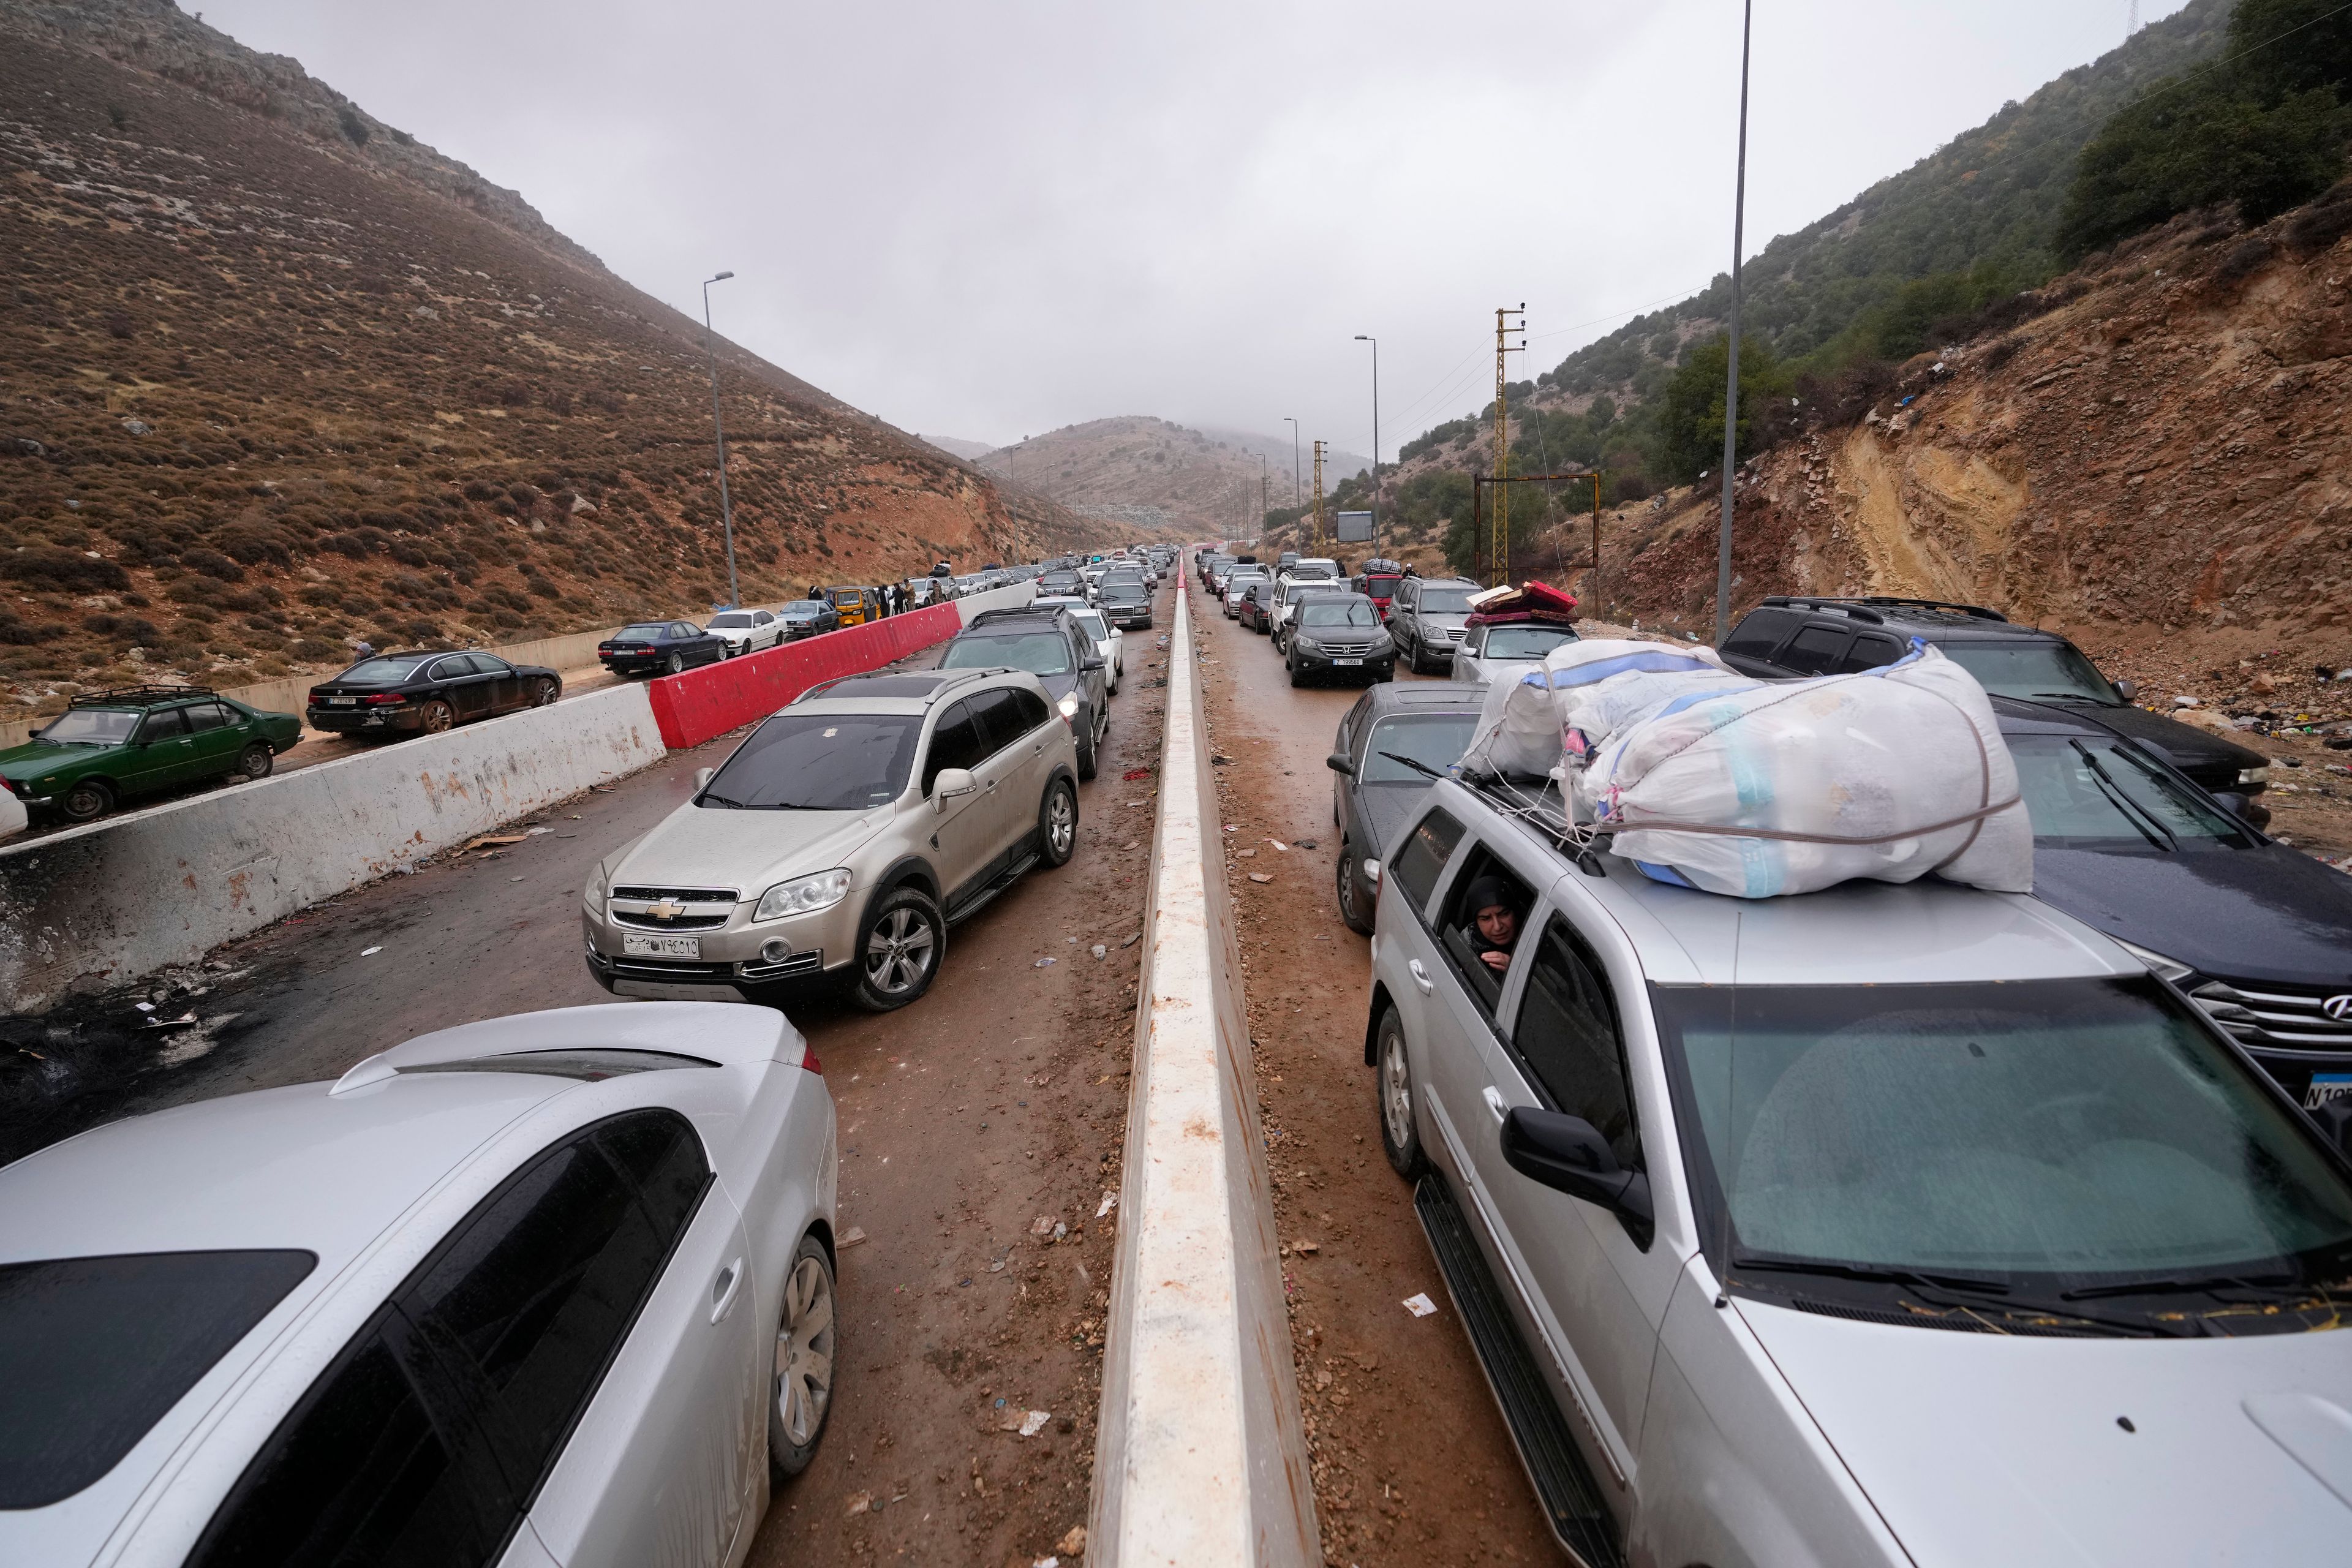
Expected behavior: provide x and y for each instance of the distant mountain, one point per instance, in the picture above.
(1141, 470)
(970, 451)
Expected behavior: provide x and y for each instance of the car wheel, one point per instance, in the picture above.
(89, 800)
(1400, 1133)
(1291, 664)
(904, 939)
(543, 692)
(677, 663)
(1057, 824)
(436, 717)
(800, 1389)
(255, 761)
(1086, 765)
(1359, 920)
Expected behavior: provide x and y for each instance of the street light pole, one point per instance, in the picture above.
(1364, 337)
(726, 507)
(1296, 493)
(1731, 387)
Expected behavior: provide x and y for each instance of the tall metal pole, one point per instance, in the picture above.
(726, 507)
(1297, 480)
(1363, 338)
(1731, 378)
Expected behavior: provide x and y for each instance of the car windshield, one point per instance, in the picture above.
(1446, 601)
(1336, 612)
(2040, 1134)
(93, 1351)
(2103, 787)
(1039, 653)
(90, 727)
(2047, 671)
(649, 632)
(1316, 571)
(389, 671)
(732, 619)
(1524, 642)
(802, 610)
(818, 761)
(1433, 740)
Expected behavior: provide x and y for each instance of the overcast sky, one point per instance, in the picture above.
(990, 220)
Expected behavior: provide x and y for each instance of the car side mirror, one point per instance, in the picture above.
(2236, 804)
(1568, 1154)
(1339, 764)
(703, 778)
(1091, 662)
(951, 783)
(2128, 689)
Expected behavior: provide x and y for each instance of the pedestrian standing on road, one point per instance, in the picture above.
(815, 592)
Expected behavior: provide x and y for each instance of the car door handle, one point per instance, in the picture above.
(1494, 1098)
(1419, 976)
(723, 1293)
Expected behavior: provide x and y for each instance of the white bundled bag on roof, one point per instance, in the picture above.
(1580, 694)
(1759, 788)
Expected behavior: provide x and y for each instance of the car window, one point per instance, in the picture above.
(1569, 1038)
(451, 668)
(1029, 709)
(1481, 952)
(164, 724)
(1433, 740)
(90, 726)
(492, 664)
(203, 716)
(1422, 855)
(818, 761)
(1871, 650)
(1524, 642)
(1759, 632)
(685, 630)
(2101, 787)
(958, 742)
(999, 720)
(1039, 653)
(93, 1351)
(1815, 649)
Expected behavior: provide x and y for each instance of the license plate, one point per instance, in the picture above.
(661, 946)
(2325, 1087)
(343, 701)
(1347, 661)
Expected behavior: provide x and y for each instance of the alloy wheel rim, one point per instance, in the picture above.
(804, 1353)
(1396, 1090)
(899, 954)
(436, 719)
(1060, 826)
(546, 694)
(1348, 886)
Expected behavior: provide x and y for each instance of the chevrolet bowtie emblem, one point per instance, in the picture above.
(666, 910)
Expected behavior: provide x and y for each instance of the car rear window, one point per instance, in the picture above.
(732, 619)
(649, 632)
(389, 671)
(93, 1351)
(818, 761)
(590, 1066)
(1039, 653)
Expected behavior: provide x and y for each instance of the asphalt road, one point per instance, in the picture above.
(1412, 1464)
(996, 1101)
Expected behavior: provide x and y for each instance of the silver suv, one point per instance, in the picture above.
(843, 838)
(1426, 616)
(1884, 1225)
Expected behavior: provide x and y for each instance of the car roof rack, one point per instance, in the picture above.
(1023, 613)
(1848, 608)
(1888, 602)
(139, 696)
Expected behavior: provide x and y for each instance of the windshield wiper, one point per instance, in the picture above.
(2182, 1284)
(1959, 1292)
(2152, 830)
(720, 800)
(2077, 697)
(1415, 764)
(1873, 1274)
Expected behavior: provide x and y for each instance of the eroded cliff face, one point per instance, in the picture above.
(2165, 460)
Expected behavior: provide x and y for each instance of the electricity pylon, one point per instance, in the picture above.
(1503, 346)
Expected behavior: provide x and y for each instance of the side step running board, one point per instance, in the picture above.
(987, 895)
(1571, 1498)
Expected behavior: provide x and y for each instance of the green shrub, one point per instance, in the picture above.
(2180, 148)
(64, 570)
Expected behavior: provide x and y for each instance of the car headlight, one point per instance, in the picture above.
(599, 885)
(2254, 778)
(1069, 706)
(802, 895)
(1304, 643)
(2171, 969)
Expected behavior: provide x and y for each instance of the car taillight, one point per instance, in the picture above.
(384, 700)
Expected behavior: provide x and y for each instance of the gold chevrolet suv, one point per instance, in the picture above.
(842, 839)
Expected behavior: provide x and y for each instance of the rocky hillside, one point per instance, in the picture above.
(2161, 465)
(278, 376)
(1137, 470)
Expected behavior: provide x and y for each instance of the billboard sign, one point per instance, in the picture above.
(1355, 527)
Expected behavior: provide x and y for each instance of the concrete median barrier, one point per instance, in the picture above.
(1201, 1453)
(106, 903)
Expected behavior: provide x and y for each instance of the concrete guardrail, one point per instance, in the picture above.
(1201, 1451)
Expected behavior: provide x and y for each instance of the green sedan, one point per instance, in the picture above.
(111, 745)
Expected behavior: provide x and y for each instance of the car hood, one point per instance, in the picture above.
(2185, 746)
(750, 851)
(2263, 912)
(36, 757)
(1385, 808)
(1984, 1449)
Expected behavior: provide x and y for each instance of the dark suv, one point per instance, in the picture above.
(1785, 636)
(1055, 648)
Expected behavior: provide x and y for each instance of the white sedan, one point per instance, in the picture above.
(1110, 642)
(555, 1288)
(746, 631)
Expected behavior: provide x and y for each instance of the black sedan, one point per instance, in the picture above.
(2258, 935)
(1374, 794)
(426, 693)
(1126, 603)
(659, 647)
(807, 617)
